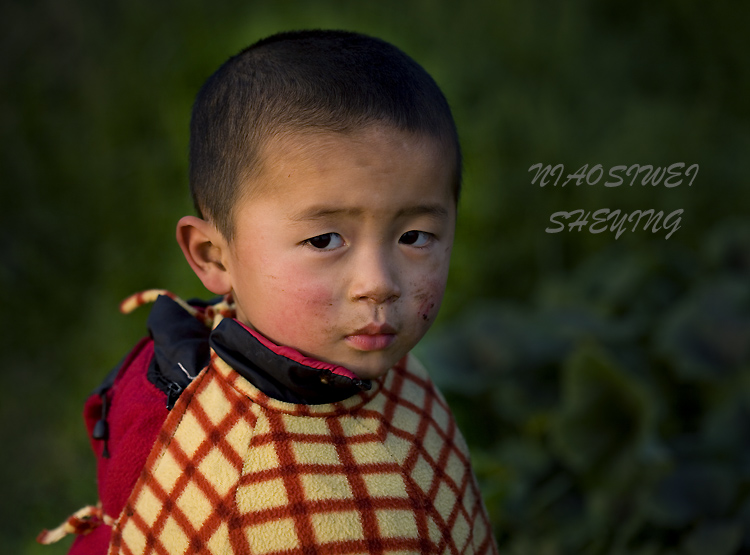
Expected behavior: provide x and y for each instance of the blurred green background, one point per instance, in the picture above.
(603, 384)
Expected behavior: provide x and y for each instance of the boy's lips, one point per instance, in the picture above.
(372, 337)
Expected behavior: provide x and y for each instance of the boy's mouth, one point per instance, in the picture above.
(372, 337)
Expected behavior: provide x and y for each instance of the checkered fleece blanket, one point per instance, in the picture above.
(234, 471)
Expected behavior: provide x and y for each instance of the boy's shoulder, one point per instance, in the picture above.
(416, 388)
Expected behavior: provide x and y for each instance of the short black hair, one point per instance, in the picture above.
(317, 80)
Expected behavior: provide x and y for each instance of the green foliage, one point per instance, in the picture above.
(615, 411)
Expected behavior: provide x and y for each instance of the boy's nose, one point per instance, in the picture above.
(374, 279)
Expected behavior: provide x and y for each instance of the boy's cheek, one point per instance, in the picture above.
(428, 297)
(428, 309)
(299, 306)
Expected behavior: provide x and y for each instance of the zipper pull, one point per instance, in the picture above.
(173, 394)
(101, 428)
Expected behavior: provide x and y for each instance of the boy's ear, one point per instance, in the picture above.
(204, 248)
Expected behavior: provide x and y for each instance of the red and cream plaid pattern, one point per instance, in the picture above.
(234, 471)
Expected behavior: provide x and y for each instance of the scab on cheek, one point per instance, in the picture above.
(428, 303)
(426, 312)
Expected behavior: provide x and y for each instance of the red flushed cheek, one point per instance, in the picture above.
(301, 309)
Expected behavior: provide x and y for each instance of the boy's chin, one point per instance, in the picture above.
(367, 365)
(369, 373)
(373, 370)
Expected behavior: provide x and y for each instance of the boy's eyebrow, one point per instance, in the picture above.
(322, 212)
(435, 210)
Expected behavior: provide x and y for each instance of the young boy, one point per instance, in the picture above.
(287, 416)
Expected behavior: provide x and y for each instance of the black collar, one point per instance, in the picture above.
(181, 351)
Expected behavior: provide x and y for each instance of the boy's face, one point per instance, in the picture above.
(341, 251)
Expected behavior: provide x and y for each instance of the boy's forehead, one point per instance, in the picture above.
(318, 151)
(376, 173)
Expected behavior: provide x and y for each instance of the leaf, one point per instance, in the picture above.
(716, 538)
(604, 414)
(728, 247)
(693, 490)
(707, 336)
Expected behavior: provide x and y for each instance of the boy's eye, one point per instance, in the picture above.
(415, 238)
(327, 241)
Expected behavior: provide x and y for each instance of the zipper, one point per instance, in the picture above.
(173, 393)
(101, 428)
